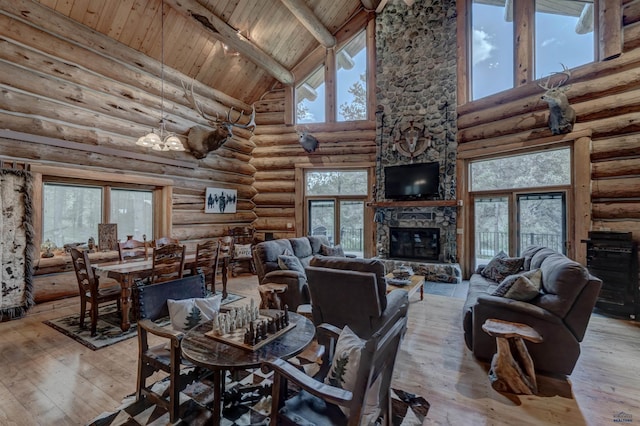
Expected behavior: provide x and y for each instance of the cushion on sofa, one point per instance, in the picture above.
(523, 287)
(359, 265)
(501, 266)
(291, 263)
(563, 280)
(266, 254)
(316, 242)
(539, 256)
(327, 250)
(301, 247)
(528, 254)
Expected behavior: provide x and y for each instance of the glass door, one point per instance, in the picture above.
(542, 219)
(322, 218)
(352, 227)
(491, 224)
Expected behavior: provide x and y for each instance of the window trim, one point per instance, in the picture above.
(301, 207)
(604, 48)
(362, 21)
(162, 192)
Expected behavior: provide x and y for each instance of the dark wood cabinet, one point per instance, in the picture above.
(613, 257)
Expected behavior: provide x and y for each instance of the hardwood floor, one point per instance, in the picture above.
(47, 378)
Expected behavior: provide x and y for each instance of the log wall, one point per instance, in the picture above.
(278, 153)
(87, 98)
(606, 97)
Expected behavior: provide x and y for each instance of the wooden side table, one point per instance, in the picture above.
(271, 295)
(512, 372)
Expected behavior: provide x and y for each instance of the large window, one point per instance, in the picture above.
(350, 86)
(335, 201)
(563, 31)
(71, 213)
(519, 201)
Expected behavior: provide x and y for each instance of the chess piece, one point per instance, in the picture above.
(286, 315)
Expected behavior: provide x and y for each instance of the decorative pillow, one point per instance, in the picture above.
(346, 360)
(187, 313)
(241, 251)
(523, 287)
(501, 266)
(290, 263)
(336, 250)
(287, 252)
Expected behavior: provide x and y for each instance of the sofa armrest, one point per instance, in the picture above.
(496, 303)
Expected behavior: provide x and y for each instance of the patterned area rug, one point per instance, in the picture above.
(196, 400)
(108, 329)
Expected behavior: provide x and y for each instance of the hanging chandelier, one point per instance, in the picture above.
(160, 139)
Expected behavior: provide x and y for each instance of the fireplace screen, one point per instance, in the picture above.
(415, 243)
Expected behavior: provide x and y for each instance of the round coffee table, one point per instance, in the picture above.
(220, 357)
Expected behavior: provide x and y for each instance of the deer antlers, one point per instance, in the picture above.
(190, 95)
(560, 83)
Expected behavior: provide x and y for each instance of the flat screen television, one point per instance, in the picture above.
(412, 181)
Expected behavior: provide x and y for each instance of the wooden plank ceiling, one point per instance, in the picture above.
(266, 25)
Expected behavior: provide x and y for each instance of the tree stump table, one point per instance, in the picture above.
(271, 295)
(512, 372)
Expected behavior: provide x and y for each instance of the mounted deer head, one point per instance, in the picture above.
(203, 140)
(562, 116)
(307, 141)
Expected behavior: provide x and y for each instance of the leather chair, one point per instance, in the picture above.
(152, 304)
(353, 292)
(318, 403)
(89, 288)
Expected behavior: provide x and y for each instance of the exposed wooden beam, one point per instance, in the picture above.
(310, 21)
(228, 35)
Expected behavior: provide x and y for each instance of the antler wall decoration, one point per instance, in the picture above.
(410, 140)
(203, 140)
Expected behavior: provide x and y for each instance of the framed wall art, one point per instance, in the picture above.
(220, 200)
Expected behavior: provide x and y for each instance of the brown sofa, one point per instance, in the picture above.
(560, 313)
(265, 257)
(353, 292)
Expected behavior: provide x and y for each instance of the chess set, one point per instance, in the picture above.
(247, 327)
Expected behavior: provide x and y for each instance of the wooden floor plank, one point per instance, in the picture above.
(48, 378)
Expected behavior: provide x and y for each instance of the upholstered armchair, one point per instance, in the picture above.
(268, 269)
(353, 292)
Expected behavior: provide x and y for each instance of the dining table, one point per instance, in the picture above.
(128, 272)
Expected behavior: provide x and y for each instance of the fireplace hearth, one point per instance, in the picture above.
(414, 243)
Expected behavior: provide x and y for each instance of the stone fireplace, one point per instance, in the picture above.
(416, 88)
(422, 244)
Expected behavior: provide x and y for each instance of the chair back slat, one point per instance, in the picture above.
(168, 263)
(133, 249)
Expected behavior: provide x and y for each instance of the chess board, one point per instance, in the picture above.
(236, 337)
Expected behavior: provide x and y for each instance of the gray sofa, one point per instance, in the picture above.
(265, 257)
(560, 313)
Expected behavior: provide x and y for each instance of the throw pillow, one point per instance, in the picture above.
(346, 360)
(501, 266)
(187, 313)
(523, 287)
(336, 250)
(287, 252)
(241, 251)
(290, 263)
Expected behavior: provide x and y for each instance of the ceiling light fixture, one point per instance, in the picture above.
(160, 139)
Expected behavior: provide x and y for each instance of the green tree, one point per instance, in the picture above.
(194, 318)
(357, 108)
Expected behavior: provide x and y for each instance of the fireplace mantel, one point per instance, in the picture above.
(414, 203)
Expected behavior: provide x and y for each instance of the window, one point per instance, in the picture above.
(563, 31)
(71, 213)
(310, 98)
(350, 87)
(335, 201)
(351, 62)
(518, 201)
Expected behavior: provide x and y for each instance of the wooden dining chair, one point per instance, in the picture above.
(163, 241)
(133, 249)
(89, 288)
(206, 262)
(168, 263)
(241, 257)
